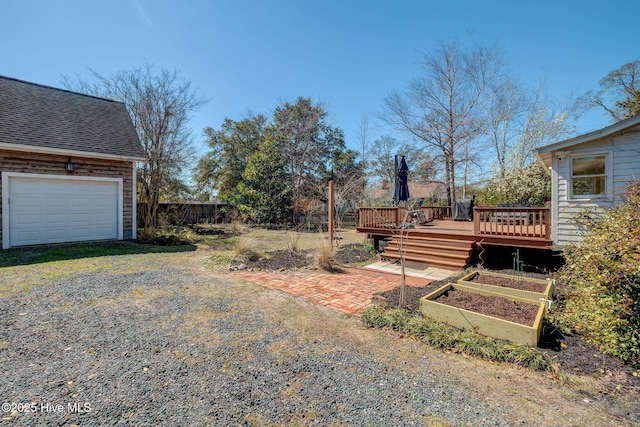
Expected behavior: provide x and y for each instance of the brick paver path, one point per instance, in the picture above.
(349, 292)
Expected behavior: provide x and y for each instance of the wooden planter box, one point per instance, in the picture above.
(547, 294)
(480, 323)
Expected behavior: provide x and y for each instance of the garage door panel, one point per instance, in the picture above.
(56, 234)
(103, 217)
(104, 204)
(104, 232)
(28, 220)
(54, 202)
(30, 186)
(81, 217)
(55, 218)
(82, 233)
(29, 236)
(51, 210)
(27, 203)
(81, 203)
(53, 187)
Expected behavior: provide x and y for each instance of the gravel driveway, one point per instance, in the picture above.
(162, 345)
(142, 348)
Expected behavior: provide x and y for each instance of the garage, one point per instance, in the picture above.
(68, 166)
(51, 209)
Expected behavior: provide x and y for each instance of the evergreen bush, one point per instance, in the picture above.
(603, 272)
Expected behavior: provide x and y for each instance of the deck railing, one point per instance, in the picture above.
(488, 221)
(392, 216)
(512, 222)
(438, 212)
(381, 217)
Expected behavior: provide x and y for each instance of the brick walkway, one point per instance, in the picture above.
(349, 292)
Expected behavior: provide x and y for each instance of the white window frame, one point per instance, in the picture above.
(608, 175)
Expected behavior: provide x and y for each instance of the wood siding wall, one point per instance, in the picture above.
(11, 161)
(625, 167)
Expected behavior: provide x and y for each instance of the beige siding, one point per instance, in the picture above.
(625, 167)
(12, 161)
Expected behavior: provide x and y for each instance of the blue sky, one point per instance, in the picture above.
(252, 54)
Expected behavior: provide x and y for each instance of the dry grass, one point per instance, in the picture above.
(280, 239)
(294, 238)
(326, 259)
(246, 250)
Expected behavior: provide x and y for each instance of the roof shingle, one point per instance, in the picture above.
(51, 118)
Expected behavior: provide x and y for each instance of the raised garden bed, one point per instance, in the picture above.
(512, 318)
(518, 286)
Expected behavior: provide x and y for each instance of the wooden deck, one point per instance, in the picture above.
(446, 243)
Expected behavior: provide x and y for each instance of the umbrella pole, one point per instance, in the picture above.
(403, 283)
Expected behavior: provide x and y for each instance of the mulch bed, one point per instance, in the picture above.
(519, 283)
(279, 260)
(571, 352)
(501, 308)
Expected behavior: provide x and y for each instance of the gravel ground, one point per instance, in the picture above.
(111, 348)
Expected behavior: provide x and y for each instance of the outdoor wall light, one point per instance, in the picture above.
(68, 165)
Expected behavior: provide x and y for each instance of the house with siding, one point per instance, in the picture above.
(68, 166)
(589, 173)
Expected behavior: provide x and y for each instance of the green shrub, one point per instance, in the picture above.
(603, 272)
(374, 316)
(445, 337)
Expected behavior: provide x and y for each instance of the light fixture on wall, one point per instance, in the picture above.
(68, 165)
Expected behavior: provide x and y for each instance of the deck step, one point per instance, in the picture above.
(430, 262)
(464, 255)
(450, 252)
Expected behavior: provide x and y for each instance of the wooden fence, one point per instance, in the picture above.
(181, 214)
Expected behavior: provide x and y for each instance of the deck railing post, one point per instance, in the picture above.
(476, 221)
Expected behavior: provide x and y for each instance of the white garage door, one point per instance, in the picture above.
(45, 210)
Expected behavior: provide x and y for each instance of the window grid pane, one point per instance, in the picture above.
(588, 165)
(588, 186)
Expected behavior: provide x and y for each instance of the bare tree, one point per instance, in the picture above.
(159, 104)
(364, 135)
(381, 160)
(619, 93)
(442, 107)
(507, 104)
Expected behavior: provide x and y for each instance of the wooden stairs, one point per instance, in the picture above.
(446, 251)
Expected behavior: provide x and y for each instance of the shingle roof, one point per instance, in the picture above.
(57, 119)
(544, 153)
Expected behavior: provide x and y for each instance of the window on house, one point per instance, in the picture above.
(588, 176)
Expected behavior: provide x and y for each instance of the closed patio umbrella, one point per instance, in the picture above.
(401, 187)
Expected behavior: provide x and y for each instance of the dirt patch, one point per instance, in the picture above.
(281, 260)
(494, 306)
(353, 254)
(221, 233)
(277, 261)
(519, 283)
